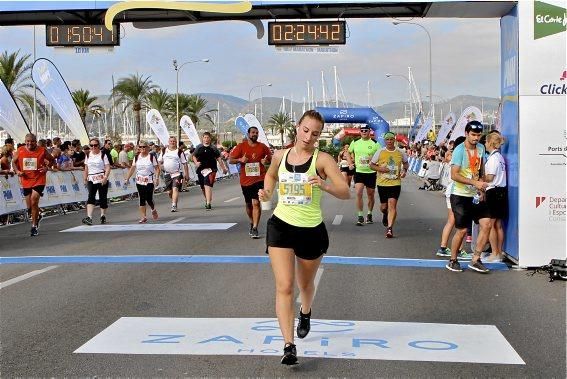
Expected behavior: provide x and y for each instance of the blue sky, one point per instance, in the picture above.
(466, 59)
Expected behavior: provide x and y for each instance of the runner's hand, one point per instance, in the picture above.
(264, 195)
(317, 181)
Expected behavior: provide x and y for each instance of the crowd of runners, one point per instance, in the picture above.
(296, 236)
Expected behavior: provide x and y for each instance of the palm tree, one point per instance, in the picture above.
(134, 91)
(281, 122)
(15, 73)
(162, 101)
(192, 106)
(84, 102)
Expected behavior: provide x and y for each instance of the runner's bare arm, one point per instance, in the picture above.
(271, 177)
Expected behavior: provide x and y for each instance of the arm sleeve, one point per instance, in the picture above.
(376, 156)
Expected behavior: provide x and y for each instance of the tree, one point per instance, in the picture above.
(134, 91)
(192, 106)
(84, 102)
(281, 122)
(162, 101)
(15, 73)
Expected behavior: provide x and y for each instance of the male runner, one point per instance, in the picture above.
(206, 156)
(29, 163)
(363, 149)
(173, 161)
(391, 165)
(252, 156)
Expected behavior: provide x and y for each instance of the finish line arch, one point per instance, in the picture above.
(356, 115)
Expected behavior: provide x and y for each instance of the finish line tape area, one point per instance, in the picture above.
(235, 259)
(337, 339)
(150, 227)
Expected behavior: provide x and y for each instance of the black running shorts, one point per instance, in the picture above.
(38, 189)
(497, 202)
(307, 243)
(388, 192)
(369, 180)
(251, 192)
(462, 208)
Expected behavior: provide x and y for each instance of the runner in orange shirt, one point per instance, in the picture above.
(252, 156)
(30, 163)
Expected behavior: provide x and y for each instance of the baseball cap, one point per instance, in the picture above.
(365, 127)
(473, 126)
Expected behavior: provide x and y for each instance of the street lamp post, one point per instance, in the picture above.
(431, 109)
(250, 93)
(177, 68)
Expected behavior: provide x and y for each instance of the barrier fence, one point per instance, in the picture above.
(65, 187)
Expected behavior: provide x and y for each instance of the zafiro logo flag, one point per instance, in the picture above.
(548, 19)
(539, 200)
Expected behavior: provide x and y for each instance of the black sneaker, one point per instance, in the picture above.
(254, 234)
(304, 324)
(389, 233)
(103, 219)
(385, 218)
(478, 267)
(289, 355)
(454, 266)
(360, 221)
(39, 217)
(208, 206)
(369, 219)
(34, 231)
(250, 230)
(87, 221)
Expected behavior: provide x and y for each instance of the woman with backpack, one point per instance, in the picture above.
(146, 167)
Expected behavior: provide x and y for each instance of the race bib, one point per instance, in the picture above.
(29, 164)
(143, 180)
(294, 189)
(364, 162)
(252, 169)
(96, 178)
(206, 171)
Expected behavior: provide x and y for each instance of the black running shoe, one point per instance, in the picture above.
(385, 219)
(360, 221)
(39, 217)
(389, 233)
(34, 231)
(250, 231)
(103, 219)
(87, 221)
(255, 233)
(304, 324)
(369, 218)
(289, 355)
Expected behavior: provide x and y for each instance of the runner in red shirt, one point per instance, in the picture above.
(252, 156)
(30, 163)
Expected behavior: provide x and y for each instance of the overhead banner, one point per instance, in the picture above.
(425, 128)
(415, 124)
(189, 129)
(49, 81)
(469, 114)
(156, 123)
(446, 126)
(11, 119)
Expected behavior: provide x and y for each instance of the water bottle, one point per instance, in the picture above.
(476, 198)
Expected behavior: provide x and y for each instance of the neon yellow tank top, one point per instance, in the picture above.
(299, 203)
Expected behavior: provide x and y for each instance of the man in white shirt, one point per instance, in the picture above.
(173, 161)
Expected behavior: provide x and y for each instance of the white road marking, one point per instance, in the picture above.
(335, 339)
(175, 220)
(338, 219)
(149, 227)
(231, 200)
(25, 276)
(317, 280)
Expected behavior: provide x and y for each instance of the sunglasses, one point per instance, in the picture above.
(364, 131)
(94, 145)
(142, 147)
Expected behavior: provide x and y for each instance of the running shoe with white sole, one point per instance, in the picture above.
(87, 221)
(478, 267)
(454, 266)
(443, 252)
(290, 355)
(360, 221)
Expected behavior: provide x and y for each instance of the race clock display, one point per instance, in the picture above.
(307, 33)
(82, 35)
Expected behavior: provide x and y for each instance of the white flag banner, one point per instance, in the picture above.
(189, 129)
(50, 82)
(446, 126)
(425, 128)
(155, 121)
(11, 119)
(253, 121)
(469, 114)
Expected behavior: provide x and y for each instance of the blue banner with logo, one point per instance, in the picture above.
(242, 125)
(11, 119)
(412, 131)
(49, 81)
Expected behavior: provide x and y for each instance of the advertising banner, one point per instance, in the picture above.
(11, 119)
(411, 132)
(189, 129)
(542, 118)
(425, 128)
(446, 126)
(156, 123)
(253, 121)
(50, 82)
(469, 114)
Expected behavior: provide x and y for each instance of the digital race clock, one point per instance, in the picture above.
(82, 35)
(306, 33)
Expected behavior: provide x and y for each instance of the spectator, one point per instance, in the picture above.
(77, 155)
